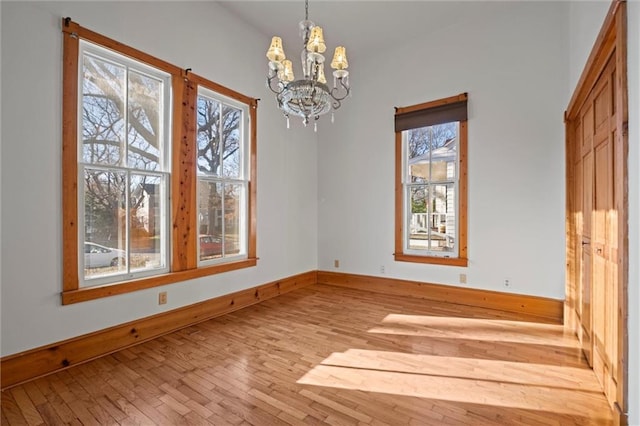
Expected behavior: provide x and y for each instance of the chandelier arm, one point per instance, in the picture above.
(335, 91)
(336, 103)
(279, 88)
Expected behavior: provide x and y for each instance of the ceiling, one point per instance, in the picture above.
(359, 25)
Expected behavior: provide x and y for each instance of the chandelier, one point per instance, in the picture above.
(310, 96)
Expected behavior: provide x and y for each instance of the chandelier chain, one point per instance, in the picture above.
(306, 10)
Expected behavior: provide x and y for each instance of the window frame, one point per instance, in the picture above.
(183, 208)
(435, 109)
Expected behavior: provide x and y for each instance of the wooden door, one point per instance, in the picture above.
(596, 231)
(597, 211)
(595, 225)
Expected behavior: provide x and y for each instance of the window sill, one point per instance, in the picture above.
(448, 261)
(91, 293)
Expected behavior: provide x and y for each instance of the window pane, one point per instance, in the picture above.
(105, 223)
(419, 153)
(233, 218)
(231, 119)
(442, 218)
(144, 121)
(146, 222)
(103, 88)
(444, 152)
(208, 137)
(419, 217)
(432, 217)
(432, 152)
(210, 218)
(221, 219)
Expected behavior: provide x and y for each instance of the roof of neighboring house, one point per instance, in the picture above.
(444, 154)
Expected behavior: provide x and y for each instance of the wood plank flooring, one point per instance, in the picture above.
(329, 355)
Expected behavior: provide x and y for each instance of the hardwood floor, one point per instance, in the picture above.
(329, 355)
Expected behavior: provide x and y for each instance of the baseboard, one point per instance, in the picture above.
(28, 365)
(550, 309)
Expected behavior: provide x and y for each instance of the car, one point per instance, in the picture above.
(99, 256)
(210, 246)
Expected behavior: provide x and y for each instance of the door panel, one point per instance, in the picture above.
(579, 242)
(596, 228)
(587, 129)
(586, 258)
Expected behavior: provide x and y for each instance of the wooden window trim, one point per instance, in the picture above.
(183, 201)
(399, 255)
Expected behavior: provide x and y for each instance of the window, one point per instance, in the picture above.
(158, 171)
(431, 187)
(123, 166)
(222, 177)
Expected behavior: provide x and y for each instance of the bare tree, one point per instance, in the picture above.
(120, 116)
(218, 136)
(423, 139)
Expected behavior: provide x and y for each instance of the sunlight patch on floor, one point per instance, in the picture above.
(523, 373)
(476, 329)
(565, 390)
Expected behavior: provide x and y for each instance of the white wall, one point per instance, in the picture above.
(199, 35)
(512, 60)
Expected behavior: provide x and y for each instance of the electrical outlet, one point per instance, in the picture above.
(336, 263)
(507, 283)
(162, 298)
(463, 278)
(382, 269)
